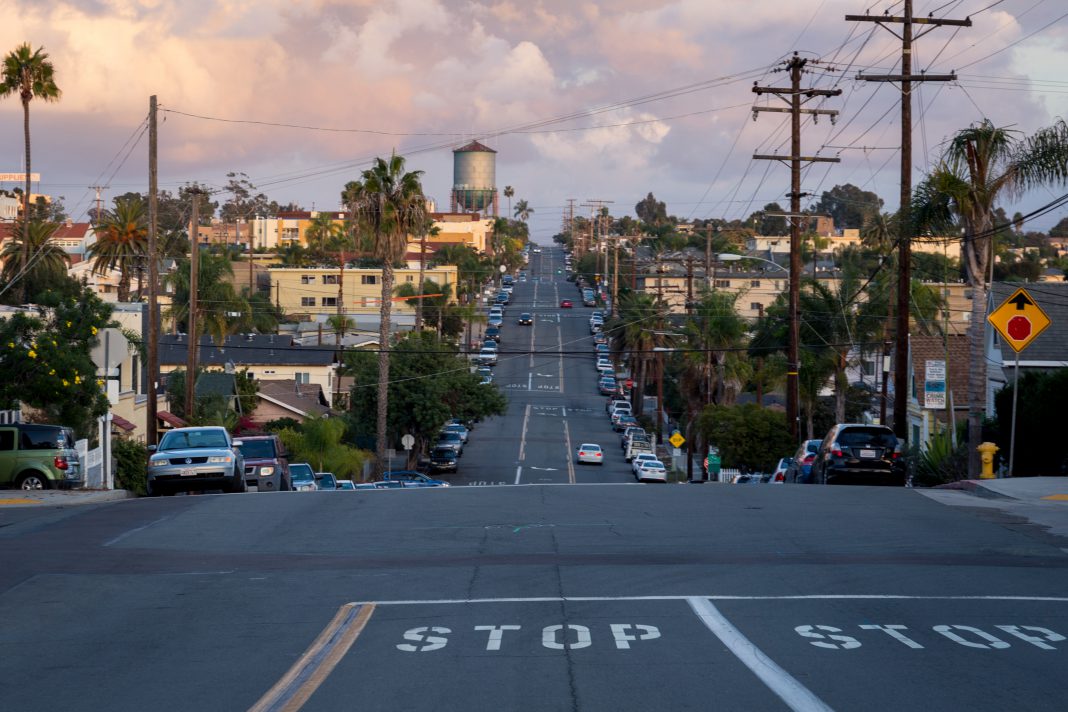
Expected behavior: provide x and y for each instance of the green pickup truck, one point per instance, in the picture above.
(34, 457)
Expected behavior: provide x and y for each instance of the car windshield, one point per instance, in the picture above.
(588, 446)
(860, 437)
(443, 453)
(186, 439)
(449, 436)
(253, 449)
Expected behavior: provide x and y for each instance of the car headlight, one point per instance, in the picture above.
(162, 462)
(220, 458)
(266, 471)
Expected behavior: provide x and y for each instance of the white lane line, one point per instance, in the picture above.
(796, 696)
(534, 326)
(560, 348)
(518, 473)
(122, 536)
(818, 597)
(522, 442)
(570, 465)
(530, 381)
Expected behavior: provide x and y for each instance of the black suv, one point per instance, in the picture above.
(859, 454)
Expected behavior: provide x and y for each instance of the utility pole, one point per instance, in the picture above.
(792, 95)
(99, 202)
(597, 207)
(571, 221)
(615, 276)
(152, 350)
(904, 275)
(191, 321)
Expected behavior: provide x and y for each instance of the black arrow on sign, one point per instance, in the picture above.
(1021, 301)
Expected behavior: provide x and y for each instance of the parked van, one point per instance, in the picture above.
(34, 457)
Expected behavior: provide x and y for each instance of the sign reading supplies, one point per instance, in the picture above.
(934, 385)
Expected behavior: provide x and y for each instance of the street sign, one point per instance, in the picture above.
(934, 385)
(676, 439)
(1019, 320)
(407, 441)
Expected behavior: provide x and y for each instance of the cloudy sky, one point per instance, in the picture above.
(587, 100)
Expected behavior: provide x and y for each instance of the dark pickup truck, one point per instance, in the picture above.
(266, 465)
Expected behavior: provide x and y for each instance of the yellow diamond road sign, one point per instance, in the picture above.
(1019, 320)
(676, 439)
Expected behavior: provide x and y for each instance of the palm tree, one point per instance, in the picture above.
(509, 191)
(48, 262)
(217, 302)
(981, 165)
(632, 335)
(389, 203)
(29, 74)
(121, 243)
(879, 231)
(522, 210)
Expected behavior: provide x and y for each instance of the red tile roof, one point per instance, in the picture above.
(122, 422)
(170, 418)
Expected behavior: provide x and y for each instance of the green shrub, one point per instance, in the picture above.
(131, 457)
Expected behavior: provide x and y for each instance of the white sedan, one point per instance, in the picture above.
(589, 452)
(652, 471)
(639, 459)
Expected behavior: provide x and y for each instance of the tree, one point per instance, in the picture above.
(121, 243)
(45, 361)
(651, 211)
(849, 205)
(1058, 230)
(220, 310)
(28, 73)
(632, 335)
(318, 441)
(879, 231)
(48, 263)
(747, 436)
(980, 165)
(389, 204)
(509, 191)
(522, 210)
(770, 224)
(430, 384)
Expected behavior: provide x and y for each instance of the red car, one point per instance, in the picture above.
(566, 304)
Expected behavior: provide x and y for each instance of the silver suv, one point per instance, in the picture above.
(196, 459)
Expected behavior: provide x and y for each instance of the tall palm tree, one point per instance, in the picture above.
(879, 231)
(217, 301)
(509, 191)
(326, 235)
(522, 210)
(389, 203)
(47, 263)
(28, 73)
(632, 335)
(121, 243)
(981, 165)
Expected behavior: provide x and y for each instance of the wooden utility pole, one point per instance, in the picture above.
(793, 96)
(904, 275)
(98, 189)
(152, 345)
(191, 319)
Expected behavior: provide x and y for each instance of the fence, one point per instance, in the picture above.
(10, 417)
(92, 464)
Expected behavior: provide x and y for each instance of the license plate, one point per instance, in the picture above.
(867, 453)
(187, 472)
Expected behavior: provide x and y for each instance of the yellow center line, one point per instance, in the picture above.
(24, 500)
(306, 675)
(570, 464)
(1057, 497)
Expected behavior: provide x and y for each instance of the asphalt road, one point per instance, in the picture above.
(547, 372)
(544, 596)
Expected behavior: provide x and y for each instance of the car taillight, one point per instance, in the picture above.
(60, 463)
(581, 452)
(894, 455)
(597, 454)
(808, 460)
(779, 477)
(836, 450)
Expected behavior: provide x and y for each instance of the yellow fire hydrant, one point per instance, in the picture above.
(986, 452)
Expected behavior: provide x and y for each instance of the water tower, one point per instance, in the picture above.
(474, 180)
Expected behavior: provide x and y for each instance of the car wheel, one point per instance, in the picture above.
(32, 481)
(240, 486)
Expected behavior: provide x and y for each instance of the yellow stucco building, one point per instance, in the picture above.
(313, 292)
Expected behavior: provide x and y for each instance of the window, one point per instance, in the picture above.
(869, 368)
(307, 279)
(329, 301)
(329, 279)
(409, 278)
(368, 279)
(302, 377)
(723, 283)
(307, 301)
(7, 440)
(757, 307)
(754, 283)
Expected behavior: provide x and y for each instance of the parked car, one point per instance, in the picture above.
(495, 320)
(652, 471)
(37, 456)
(639, 459)
(411, 478)
(456, 428)
(637, 444)
(266, 465)
(443, 459)
(800, 470)
(326, 481)
(302, 477)
(607, 386)
(525, 319)
(484, 372)
(487, 356)
(450, 440)
(855, 453)
(493, 332)
(612, 399)
(589, 453)
(195, 459)
(745, 479)
(623, 422)
(346, 485)
(600, 338)
(778, 475)
(566, 304)
(628, 433)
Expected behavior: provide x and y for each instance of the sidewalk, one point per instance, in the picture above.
(51, 498)
(1042, 501)
(1031, 489)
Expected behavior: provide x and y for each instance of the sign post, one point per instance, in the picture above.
(1019, 320)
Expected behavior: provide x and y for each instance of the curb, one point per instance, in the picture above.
(53, 498)
(974, 487)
